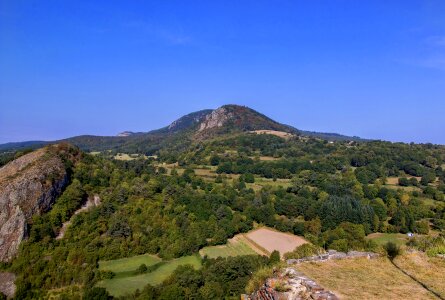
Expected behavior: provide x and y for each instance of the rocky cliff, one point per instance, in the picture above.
(233, 118)
(29, 185)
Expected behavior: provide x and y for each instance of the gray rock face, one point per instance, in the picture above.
(7, 285)
(29, 185)
(217, 118)
(332, 254)
(290, 284)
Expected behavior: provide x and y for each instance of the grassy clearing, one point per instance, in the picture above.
(383, 238)
(428, 270)
(125, 156)
(121, 286)
(280, 134)
(429, 201)
(234, 247)
(363, 278)
(261, 181)
(404, 188)
(128, 264)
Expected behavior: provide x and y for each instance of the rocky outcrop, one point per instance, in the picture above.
(217, 118)
(235, 118)
(7, 286)
(29, 185)
(289, 284)
(91, 202)
(333, 254)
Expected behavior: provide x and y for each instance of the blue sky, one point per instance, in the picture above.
(374, 69)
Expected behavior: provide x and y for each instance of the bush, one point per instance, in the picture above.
(340, 245)
(107, 274)
(274, 257)
(392, 250)
(304, 250)
(96, 293)
(436, 250)
(142, 269)
(258, 279)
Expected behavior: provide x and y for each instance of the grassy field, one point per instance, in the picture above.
(128, 264)
(363, 278)
(234, 247)
(261, 181)
(125, 156)
(124, 285)
(383, 238)
(428, 270)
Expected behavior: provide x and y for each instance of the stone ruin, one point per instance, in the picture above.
(333, 254)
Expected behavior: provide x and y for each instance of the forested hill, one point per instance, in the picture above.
(202, 124)
(197, 193)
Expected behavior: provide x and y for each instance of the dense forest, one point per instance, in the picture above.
(332, 193)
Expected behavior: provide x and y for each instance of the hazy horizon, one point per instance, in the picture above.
(374, 70)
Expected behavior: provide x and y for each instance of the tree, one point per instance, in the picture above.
(403, 181)
(214, 160)
(142, 269)
(274, 257)
(96, 293)
(119, 228)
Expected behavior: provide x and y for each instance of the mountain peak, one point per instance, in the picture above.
(233, 117)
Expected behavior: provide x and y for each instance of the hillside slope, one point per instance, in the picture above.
(29, 185)
(197, 125)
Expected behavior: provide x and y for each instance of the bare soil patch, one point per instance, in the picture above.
(271, 240)
(91, 202)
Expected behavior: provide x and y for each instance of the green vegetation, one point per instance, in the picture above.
(383, 238)
(234, 248)
(304, 250)
(119, 286)
(128, 264)
(199, 193)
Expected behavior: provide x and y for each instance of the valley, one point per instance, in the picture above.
(213, 203)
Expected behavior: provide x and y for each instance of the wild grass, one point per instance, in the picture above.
(428, 270)
(363, 278)
(382, 238)
(232, 248)
(128, 264)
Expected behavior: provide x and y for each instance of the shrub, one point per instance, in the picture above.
(96, 293)
(304, 250)
(436, 250)
(258, 279)
(142, 269)
(392, 250)
(274, 257)
(107, 274)
(340, 245)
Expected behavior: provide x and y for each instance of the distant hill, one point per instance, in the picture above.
(203, 124)
(235, 118)
(185, 123)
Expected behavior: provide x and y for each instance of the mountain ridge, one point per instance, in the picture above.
(202, 124)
